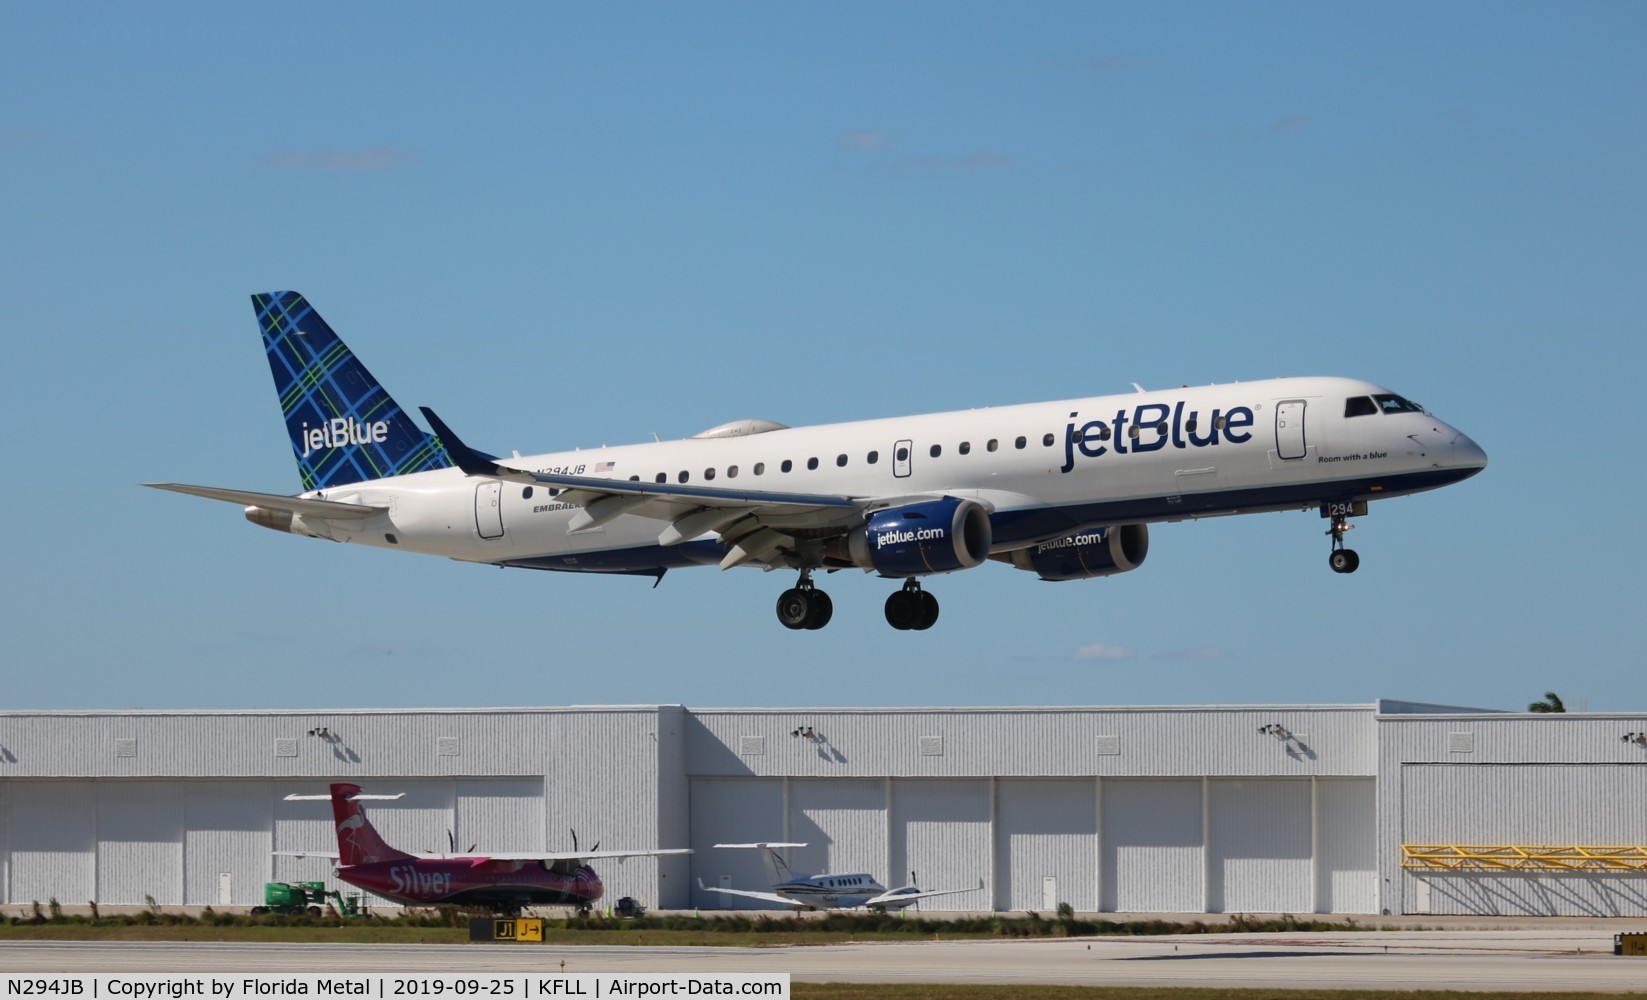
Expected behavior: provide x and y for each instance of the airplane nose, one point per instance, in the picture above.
(1467, 453)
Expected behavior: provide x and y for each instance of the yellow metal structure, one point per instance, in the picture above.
(1514, 857)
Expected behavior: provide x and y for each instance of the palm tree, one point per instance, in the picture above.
(1551, 703)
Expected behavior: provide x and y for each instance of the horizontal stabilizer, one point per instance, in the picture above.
(275, 501)
(761, 845)
(770, 897)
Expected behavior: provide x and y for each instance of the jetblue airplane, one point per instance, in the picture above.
(1065, 490)
(843, 890)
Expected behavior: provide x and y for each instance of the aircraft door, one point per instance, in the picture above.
(901, 453)
(1289, 429)
(489, 509)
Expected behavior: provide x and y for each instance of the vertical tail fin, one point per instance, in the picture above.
(344, 426)
(358, 842)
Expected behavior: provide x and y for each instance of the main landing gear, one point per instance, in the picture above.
(805, 606)
(911, 609)
(1341, 560)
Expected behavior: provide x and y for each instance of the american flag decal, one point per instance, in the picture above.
(605, 466)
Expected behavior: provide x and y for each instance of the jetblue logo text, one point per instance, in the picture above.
(1157, 425)
(895, 537)
(343, 431)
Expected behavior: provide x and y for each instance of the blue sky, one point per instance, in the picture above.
(569, 225)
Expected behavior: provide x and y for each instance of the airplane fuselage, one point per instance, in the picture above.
(1044, 471)
(510, 884)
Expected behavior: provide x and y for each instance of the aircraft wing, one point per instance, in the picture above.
(275, 501)
(307, 854)
(752, 522)
(476, 860)
(770, 897)
(900, 897)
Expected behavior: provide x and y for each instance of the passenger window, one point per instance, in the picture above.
(811, 464)
(663, 477)
(937, 450)
(1218, 422)
(1076, 436)
(1189, 425)
(840, 460)
(708, 474)
(1359, 406)
(903, 454)
(1132, 432)
(526, 494)
(786, 466)
(731, 472)
(760, 468)
(966, 448)
(684, 475)
(1047, 440)
(1019, 444)
(874, 457)
(993, 444)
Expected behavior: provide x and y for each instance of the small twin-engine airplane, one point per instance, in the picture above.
(495, 880)
(835, 892)
(1065, 490)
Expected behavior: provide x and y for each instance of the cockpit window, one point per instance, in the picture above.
(1359, 406)
(1389, 402)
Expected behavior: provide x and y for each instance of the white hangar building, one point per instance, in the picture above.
(1390, 807)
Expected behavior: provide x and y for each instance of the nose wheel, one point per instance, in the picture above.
(911, 609)
(804, 606)
(1341, 560)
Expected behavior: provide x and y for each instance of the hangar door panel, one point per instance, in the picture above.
(1259, 836)
(843, 824)
(503, 814)
(733, 811)
(1046, 829)
(229, 831)
(1347, 879)
(5, 841)
(1152, 852)
(940, 831)
(140, 842)
(1532, 805)
(53, 846)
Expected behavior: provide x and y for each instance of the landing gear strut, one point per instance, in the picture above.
(911, 609)
(1341, 560)
(804, 606)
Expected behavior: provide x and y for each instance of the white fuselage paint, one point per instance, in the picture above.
(1202, 472)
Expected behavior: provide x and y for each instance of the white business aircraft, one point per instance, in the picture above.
(835, 892)
(1065, 490)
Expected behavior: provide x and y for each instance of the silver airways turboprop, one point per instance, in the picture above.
(1065, 490)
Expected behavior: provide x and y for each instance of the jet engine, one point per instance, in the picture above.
(937, 536)
(1103, 552)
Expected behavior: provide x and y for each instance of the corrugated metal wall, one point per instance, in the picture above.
(1150, 853)
(1346, 838)
(1259, 852)
(1533, 805)
(228, 832)
(1045, 830)
(53, 842)
(940, 831)
(732, 811)
(140, 841)
(5, 840)
(843, 824)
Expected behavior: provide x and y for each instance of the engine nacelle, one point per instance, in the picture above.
(1103, 552)
(938, 536)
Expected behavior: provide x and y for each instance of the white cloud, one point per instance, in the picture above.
(1099, 651)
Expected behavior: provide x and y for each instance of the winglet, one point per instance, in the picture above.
(472, 462)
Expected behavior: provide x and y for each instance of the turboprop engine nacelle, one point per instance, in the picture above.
(1103, 552)
(938, 536)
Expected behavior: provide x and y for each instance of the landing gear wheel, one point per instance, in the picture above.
(797, 608)
(929, 612)
(903, 609)
(1344, 561)
(823, 609)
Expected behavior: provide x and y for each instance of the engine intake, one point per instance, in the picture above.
(938, 536)
(1103, 552)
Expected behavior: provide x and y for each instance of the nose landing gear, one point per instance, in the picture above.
(804, 606)
(911, 609)
(1341, 560)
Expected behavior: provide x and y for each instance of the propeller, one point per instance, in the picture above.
(575, 843)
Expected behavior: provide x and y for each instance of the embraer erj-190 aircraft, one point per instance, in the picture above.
(1065, 490)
